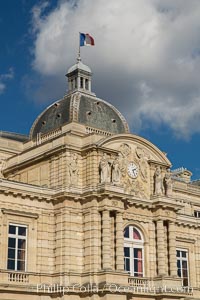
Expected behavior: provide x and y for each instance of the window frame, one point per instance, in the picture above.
(133, 244)
(181, 259)
(17, 237)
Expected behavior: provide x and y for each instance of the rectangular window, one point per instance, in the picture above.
(182, 266)
(197, 214)
(133, 261)
(17, 240)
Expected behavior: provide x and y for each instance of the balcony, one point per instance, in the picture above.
(158, 286)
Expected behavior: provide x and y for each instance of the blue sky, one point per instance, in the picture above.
(145, 62)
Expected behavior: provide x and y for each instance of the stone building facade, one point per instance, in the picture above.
(91, 211)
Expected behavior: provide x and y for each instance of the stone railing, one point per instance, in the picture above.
(97, 131)
(142, 285)
(41, 138)
(18, 277)
(139, 281)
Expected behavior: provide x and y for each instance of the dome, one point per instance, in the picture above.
(80, 66)
(83, 108)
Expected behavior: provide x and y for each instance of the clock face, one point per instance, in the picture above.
(132, 170)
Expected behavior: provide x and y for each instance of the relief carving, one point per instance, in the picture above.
(116, 171)
(143, 165)
(73, 169)
(158, 182)
(105, 169)
(168, 184)
(2, 166)
(129, 169)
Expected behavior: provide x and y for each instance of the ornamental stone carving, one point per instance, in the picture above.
(105, 169)
(2, 166)
(129, 170)
(168, 184)
(125, 150)
(158, 182)
(73, 169)
(143, 165)
(116, 171)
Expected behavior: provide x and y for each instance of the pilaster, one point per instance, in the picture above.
(119, 242)
(172, 249)
(106, 240)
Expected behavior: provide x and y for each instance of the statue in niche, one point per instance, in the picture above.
(116, 171)
(73, 169)
(158, 184)
(105, 169)
(168, 184)
(2, 166)
(143, 165)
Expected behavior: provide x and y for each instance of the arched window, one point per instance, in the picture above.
(133, 251)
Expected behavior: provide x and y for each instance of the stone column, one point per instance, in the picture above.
(106, 240)
(172, 249)
(119, 242)
(160, 248)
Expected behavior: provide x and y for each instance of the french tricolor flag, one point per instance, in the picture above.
(86, 39)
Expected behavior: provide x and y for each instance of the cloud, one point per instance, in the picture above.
(4, 78)
(146, 60)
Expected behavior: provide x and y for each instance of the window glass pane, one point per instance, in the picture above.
(11, 264)
(137, 253)
(20, 265)
(179, 272)
(126, 252)
(21, 254)
(178, 264)
(21, 244)
(11, 253)
(135, 265)
(22, 231)
(126, 232)
(184, 264)
(127, 264)
(178, 253)
(12, 229)
(183, 254)
(185, 273)
(136, 235)
(185, 281)
(11, 242)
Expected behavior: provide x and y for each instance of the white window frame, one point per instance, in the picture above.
(17, 237)
(181, 259)
(132, 244)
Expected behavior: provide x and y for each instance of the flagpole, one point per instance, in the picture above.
(79, 49)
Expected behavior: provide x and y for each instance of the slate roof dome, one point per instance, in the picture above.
(82, 106)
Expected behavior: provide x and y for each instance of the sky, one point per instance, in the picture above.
(146, 62)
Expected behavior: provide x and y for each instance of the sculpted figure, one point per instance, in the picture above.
(143, 165)
(105, 169)
(116, 172)
(158, 186)
(168, 184)
(73, 169)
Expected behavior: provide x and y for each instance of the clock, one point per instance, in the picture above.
(132, 170)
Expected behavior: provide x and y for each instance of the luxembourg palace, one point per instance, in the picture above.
(90, 211)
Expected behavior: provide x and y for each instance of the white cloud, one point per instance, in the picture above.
(147, 55)
(4, 78)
